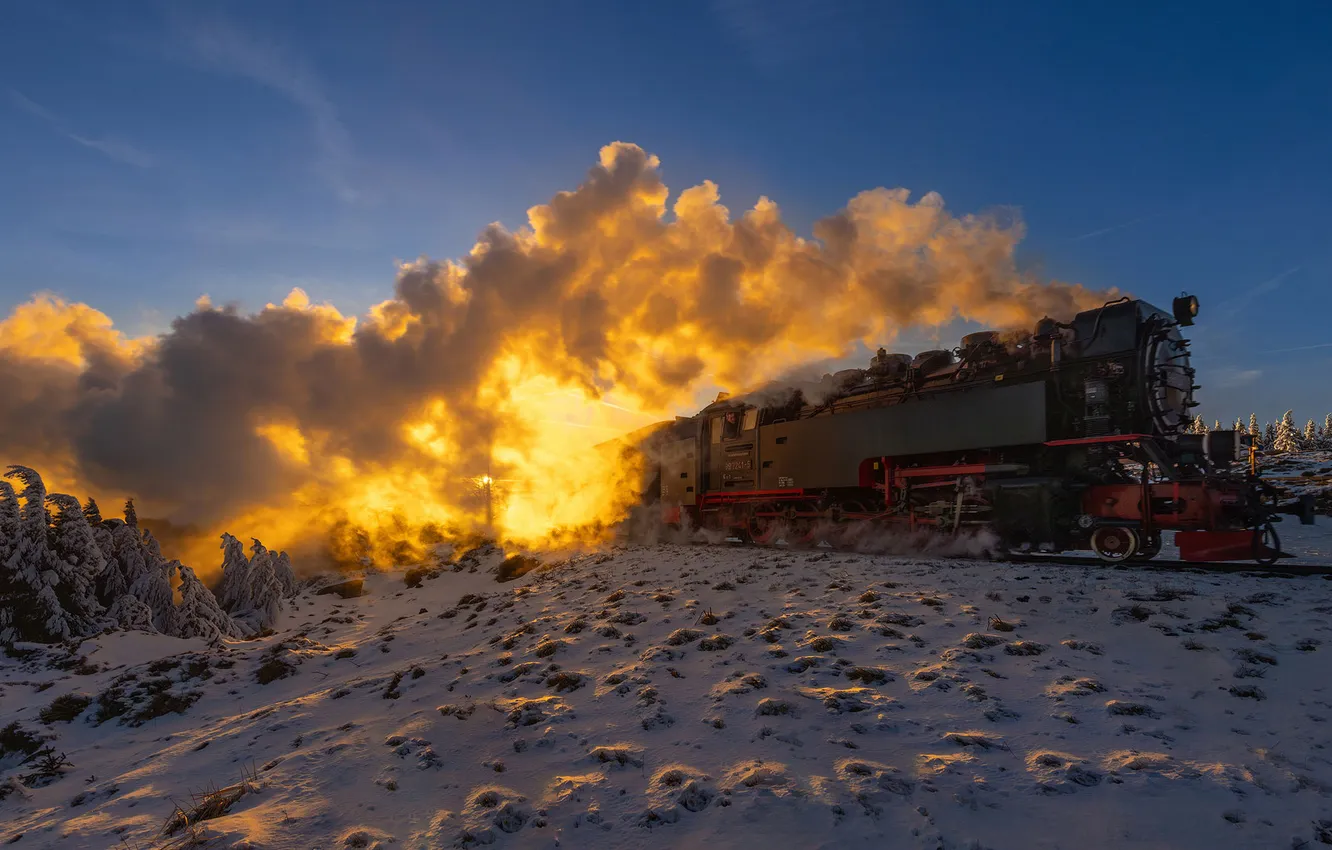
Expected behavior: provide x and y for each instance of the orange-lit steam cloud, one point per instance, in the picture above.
(609, 309)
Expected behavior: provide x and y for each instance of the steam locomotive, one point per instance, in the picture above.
(1070, 437)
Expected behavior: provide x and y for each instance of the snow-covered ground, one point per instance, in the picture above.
(681, 696)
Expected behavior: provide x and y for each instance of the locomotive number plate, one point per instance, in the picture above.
(739, 465)
(783, 481)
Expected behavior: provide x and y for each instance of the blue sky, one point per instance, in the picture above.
(154, 152)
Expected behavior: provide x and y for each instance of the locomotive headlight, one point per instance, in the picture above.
(1186, 309)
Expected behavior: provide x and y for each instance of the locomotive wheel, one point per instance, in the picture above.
(1265, 541)
(1113, 544)
(1148, 548)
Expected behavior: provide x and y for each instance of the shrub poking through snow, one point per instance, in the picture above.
(209, 804)
(64, 709)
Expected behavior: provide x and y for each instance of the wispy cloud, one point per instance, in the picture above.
(1112, 228)
(1297, 348)
(1230, 307)
(1228, 378)
(113, 149)
(220, 45)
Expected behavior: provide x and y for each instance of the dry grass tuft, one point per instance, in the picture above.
(208, 804)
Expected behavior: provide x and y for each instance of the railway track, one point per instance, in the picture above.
(1278, 569)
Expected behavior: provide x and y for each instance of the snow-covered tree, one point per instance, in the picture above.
(127, 544)
(92, 513)
(235, 566)
(30, 569)
(199, 614)
(250, 589)
(131, 614)
(1286, 439)
(1253, 425)
(1310, 435)
(286, 576)
(1239, 425)
(153, 587)
(1327, 432)
(131, 515)
(265, 587)
(1269, 436)
(78, 563)
(9, 587)
(1199, 426)
(1216, 425)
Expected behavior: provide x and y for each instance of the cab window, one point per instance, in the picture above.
(751, 418)
(731, 425)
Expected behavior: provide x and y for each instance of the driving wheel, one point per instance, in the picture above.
(1113, 544)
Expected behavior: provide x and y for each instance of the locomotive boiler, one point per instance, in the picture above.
(1069, 437)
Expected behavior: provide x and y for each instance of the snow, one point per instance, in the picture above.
(679, 696)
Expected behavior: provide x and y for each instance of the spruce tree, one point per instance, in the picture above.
(131, 515)
(1216, 425)
(10, 589)
(231, 588)
(286, 576)
(1310, 436)
(1269, 436)
(1253, 424)
(1286, 439)
(199, 614)
(31, 567)
(131, 614)
(92, 513)
(153, 587)
(79, 562)
(1327, 432)
(1239, 425)
(265, 589)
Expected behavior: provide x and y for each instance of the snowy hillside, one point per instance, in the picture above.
(680, 696)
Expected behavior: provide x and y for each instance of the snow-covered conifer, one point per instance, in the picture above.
(30, 568)
(131, 515)
(1310, 435)
(1286, 439)
(1239, 425)
(265, 589)
(250, 590)
(9, 588)
(1216, 425)
(78, 563)
(128, 546)
(153, 587)
(131, 614)
(199, 615)
(92, 513)
(1327, 432)
(231, 593)
(1199, 426)
(1269, 436)
(111, 583)
(286, 576)
(1253, 425)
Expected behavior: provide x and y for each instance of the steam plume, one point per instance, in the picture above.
(296, 416)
